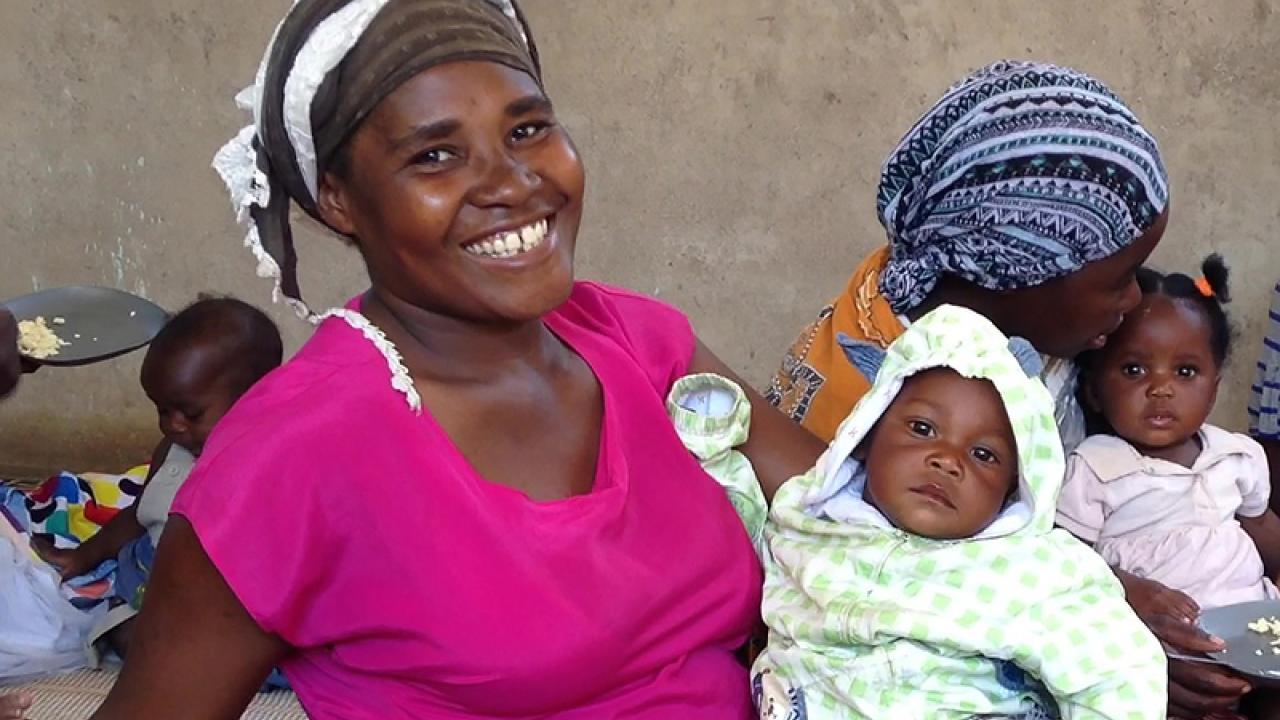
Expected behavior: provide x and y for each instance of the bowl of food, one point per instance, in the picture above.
(78, 325)
(1252, 633)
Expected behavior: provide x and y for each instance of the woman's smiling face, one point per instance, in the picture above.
(463, 194)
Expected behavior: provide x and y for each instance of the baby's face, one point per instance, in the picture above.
(1156, 380)
(191, 393)
(942, 460)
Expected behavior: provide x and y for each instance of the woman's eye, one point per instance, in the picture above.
(921, 428)
(984, 455)
(528, 130)
(1188, 371)
(435, 156)
(1131, 369)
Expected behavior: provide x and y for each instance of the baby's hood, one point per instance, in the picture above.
(960, 339)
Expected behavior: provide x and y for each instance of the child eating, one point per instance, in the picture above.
(915, 571)
(200, 363)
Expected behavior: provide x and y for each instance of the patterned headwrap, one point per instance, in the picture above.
(1021, 173)
(328, 66)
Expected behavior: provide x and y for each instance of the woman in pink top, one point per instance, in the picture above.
(463, 497)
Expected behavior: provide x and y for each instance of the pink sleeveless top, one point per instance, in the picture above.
(411, 587)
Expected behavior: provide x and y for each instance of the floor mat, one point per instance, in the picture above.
(75, 696)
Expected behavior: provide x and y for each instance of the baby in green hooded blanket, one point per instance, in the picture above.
(915, 571)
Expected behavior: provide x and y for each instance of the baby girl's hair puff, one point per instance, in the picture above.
(1209, 293)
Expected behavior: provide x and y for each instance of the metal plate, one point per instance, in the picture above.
(1231, 623)
(98, 322)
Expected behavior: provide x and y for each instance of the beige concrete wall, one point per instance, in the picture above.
(732, 147)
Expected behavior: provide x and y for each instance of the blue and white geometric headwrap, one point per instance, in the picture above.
(1021, 173)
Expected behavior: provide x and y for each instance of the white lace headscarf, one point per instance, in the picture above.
(329, 63)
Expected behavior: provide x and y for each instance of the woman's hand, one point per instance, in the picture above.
(1149, 598)
(70, 563)
(10, 362)
(1196, 690)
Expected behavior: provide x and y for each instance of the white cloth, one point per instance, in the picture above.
(1169, 523)
(40, 631)
(157, 496)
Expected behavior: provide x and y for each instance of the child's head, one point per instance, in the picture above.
(955, 438)
(202, 361)
(942, 460)
(1155, 381)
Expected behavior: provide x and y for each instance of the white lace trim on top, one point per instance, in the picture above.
(401, 381)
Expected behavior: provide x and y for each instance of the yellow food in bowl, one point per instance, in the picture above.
(36, 340)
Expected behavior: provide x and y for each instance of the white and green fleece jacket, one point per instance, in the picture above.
(868, 621)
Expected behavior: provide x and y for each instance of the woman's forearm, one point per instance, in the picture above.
(1264, 530)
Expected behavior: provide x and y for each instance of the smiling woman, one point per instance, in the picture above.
(463, 498)
(442, 213)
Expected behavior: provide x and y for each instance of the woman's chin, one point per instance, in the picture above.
(520, 303)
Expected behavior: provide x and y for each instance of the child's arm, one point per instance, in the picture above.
(712, 416)
(1257, 519)
(1265, 532)
(109, 540)
(778, 448)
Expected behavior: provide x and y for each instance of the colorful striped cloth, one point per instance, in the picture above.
(70, 509)
(1264, 400)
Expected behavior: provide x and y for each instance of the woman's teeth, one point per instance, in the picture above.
(510, 244)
